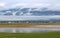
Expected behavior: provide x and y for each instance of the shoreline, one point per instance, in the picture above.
(33, 26)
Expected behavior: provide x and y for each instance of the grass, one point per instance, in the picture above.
(31, 35)
(24, 24)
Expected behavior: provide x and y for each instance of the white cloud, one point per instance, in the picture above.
(19, 5)
(2, 4)
(55, 7)
(28, 5)
(29, 17)
(42, 5)
(50, 6)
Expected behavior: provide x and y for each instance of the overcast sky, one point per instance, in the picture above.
(29, 1)
(51, 4)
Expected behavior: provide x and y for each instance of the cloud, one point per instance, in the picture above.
(19, 5)
(55, 17)
(28, 5)
(2, 5)
(50, 6)
(42, 5)
(55, 7)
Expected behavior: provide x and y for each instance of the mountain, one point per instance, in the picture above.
(28, 12)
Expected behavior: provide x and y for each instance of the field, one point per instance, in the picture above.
(26, 24)
(31, 35)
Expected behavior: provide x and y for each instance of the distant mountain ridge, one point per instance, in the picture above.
(28, 12)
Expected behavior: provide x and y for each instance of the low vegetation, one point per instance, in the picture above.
(31, 35)
(24, 24)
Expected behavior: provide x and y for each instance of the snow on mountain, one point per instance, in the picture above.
(29, 12)
(22, 14)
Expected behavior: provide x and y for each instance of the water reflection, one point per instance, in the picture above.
(29, 29)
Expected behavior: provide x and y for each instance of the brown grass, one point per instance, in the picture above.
(24, 24)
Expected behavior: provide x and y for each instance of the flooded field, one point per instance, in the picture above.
(43, 29)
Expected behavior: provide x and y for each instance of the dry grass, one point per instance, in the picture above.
(24, 24)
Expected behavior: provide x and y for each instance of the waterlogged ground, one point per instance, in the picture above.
(43, 29)
(39, 31)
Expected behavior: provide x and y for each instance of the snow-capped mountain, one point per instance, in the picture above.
(28, 12)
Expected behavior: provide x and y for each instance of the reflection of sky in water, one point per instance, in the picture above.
(28, 29)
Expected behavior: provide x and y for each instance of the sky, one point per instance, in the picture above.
(51, 4)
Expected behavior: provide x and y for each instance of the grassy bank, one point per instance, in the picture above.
(30, 35)
(24, 24)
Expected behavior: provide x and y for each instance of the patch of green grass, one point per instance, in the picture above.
(31, 35)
